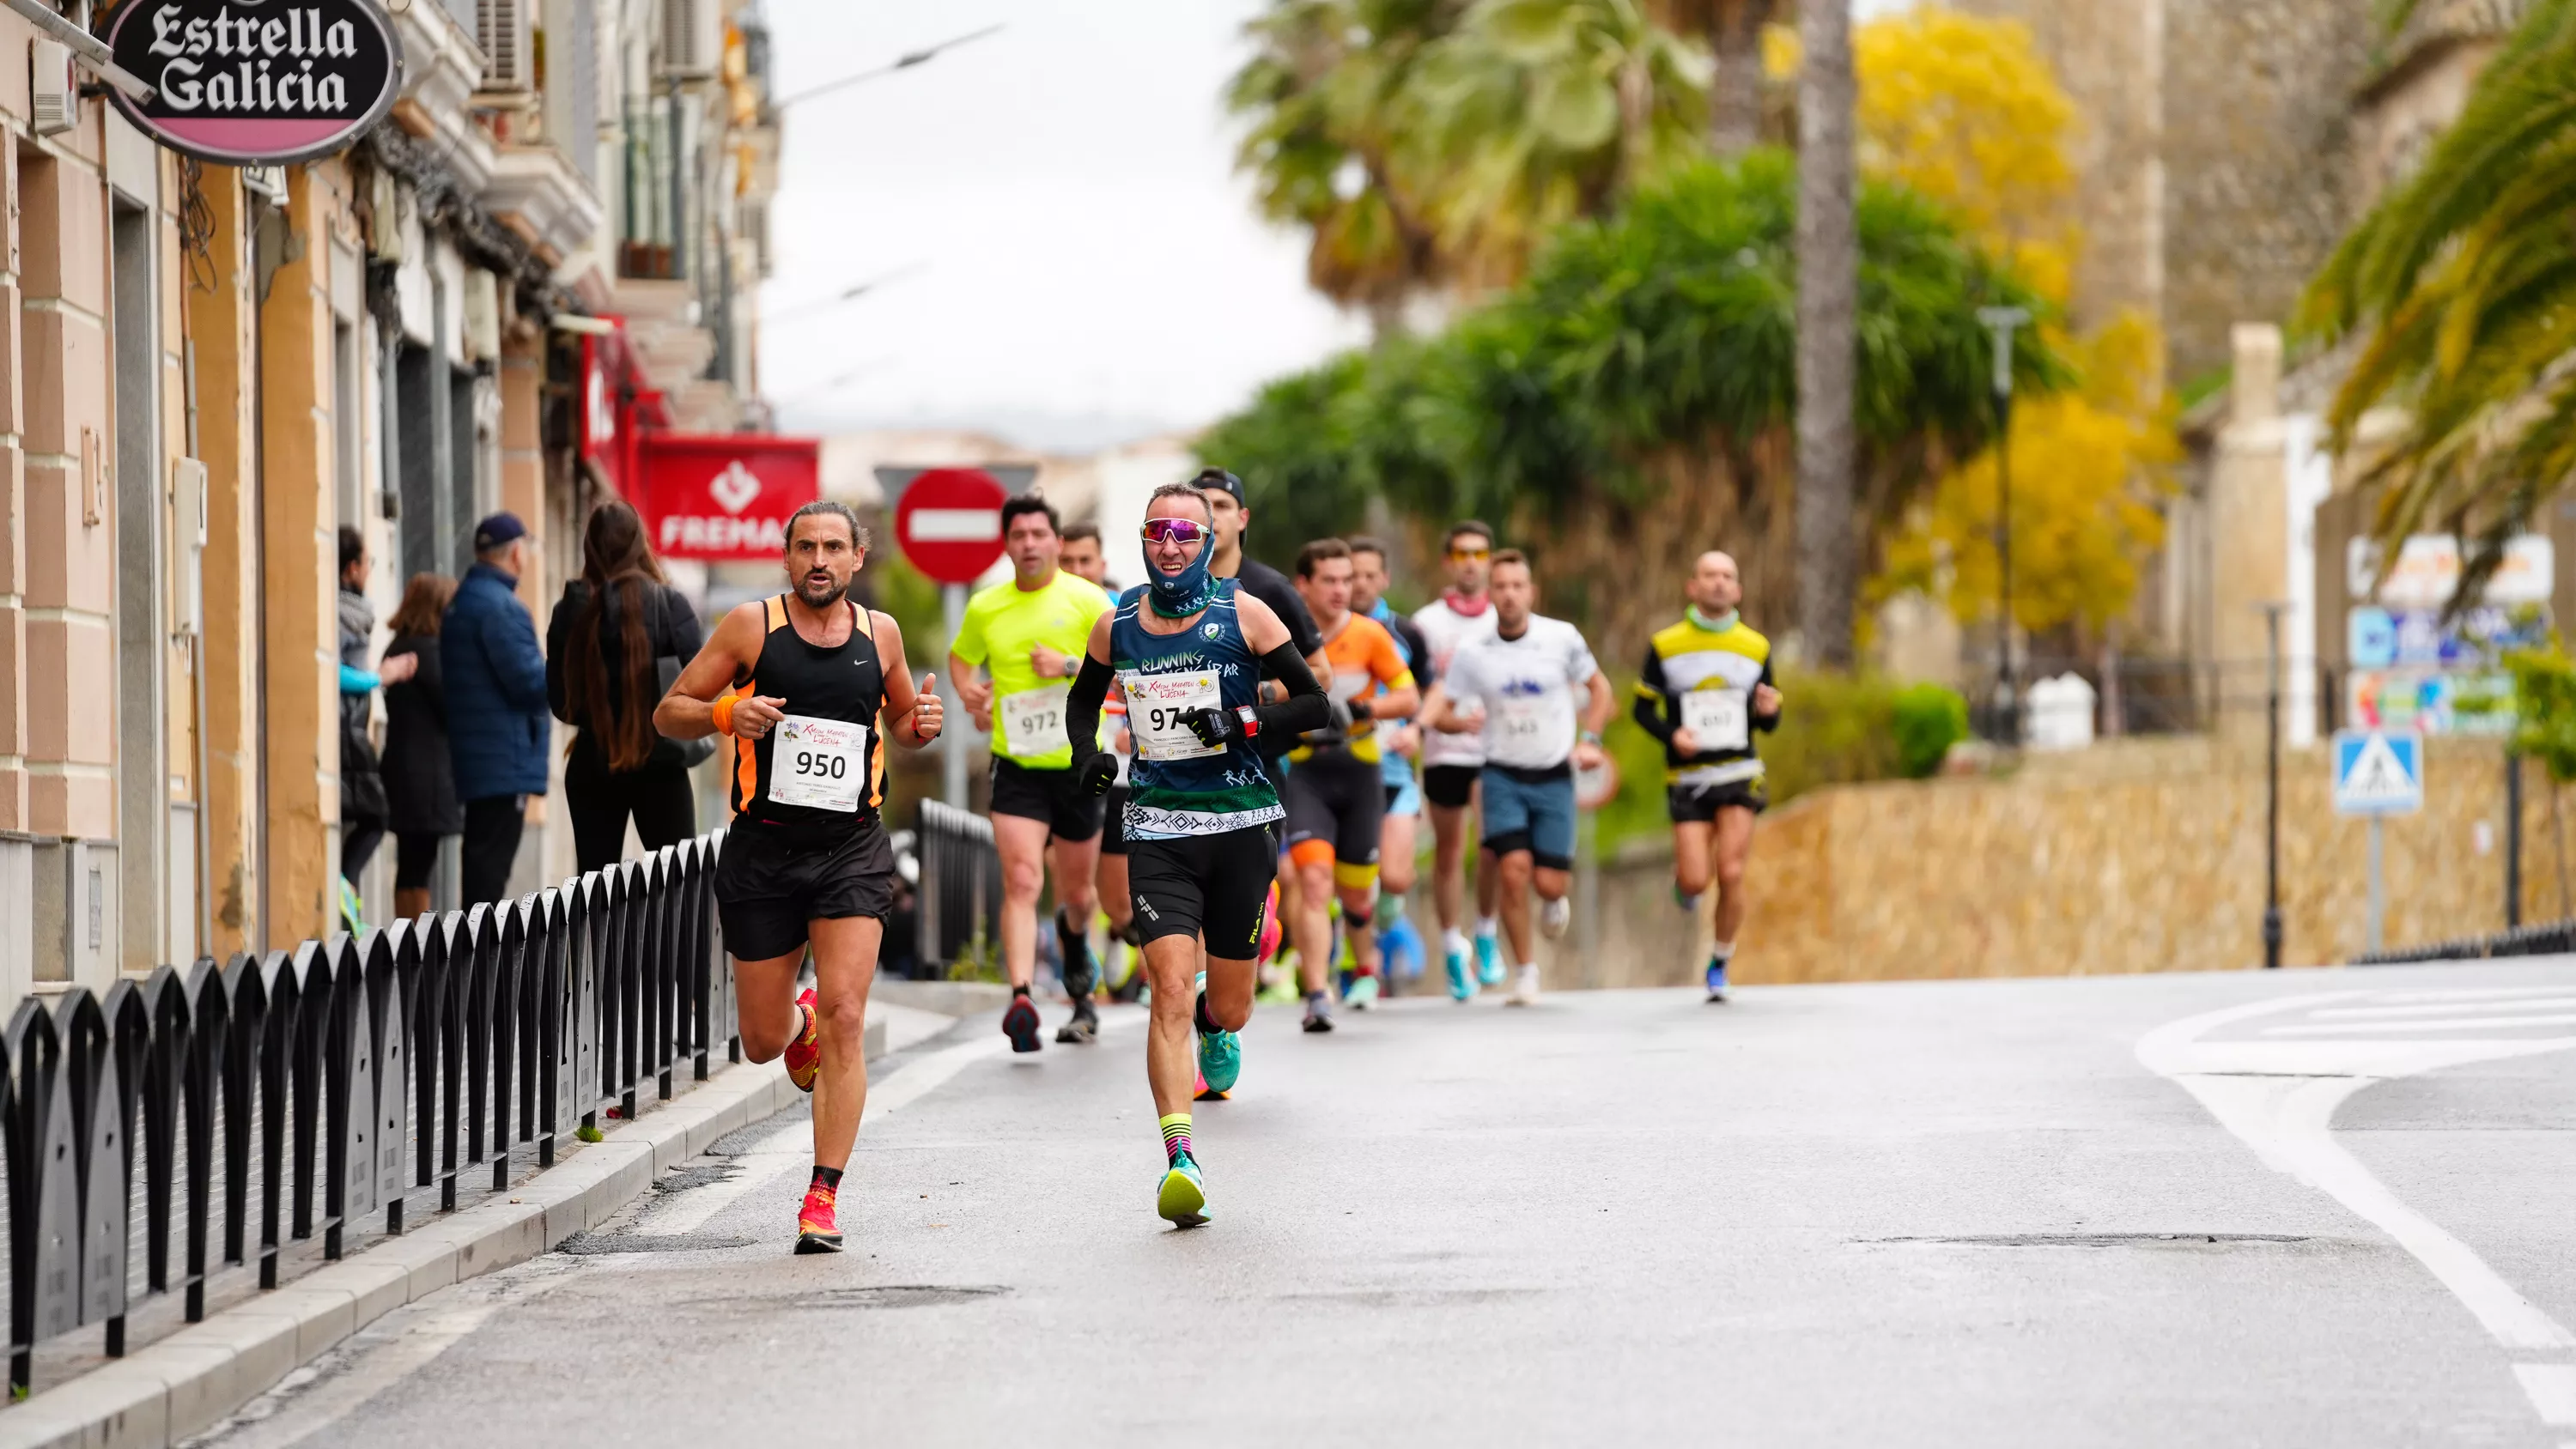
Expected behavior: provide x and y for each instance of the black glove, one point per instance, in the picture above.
(1343, 715)
(1098, 773)
(1217, 728)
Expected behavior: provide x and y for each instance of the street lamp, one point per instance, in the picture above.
(906, 61)
(2272, 789)
(2003, 322)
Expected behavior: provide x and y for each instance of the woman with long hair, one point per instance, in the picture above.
(605, 671)
(420, 779)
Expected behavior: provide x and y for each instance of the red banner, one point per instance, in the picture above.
(725, 496)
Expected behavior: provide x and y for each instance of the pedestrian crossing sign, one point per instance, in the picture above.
(2378, 772)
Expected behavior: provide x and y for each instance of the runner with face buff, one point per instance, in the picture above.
(1188, 652)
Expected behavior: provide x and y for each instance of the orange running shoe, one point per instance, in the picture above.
(804, 1056)
(818, 1225)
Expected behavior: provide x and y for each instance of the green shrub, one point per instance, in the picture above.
(1835, 729)
(1928, 720)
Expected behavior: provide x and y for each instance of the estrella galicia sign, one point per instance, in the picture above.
(257, 82)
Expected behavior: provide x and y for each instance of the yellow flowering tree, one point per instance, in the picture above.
(1966, 111)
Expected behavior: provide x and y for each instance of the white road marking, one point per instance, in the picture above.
(2552, 1390)
(2280, 1096)
(2430, 1023)
(2429, 1010)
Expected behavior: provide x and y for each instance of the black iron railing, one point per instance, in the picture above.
(961, 885)
(2553, 938)
(296, 1091)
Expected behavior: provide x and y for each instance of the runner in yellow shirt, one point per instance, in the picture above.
(1027, 637)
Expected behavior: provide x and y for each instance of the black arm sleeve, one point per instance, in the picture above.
(1766, 722)
(1649, 715)
(1082, 708)
(1307, 707)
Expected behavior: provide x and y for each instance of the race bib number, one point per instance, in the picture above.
(1717, 719)
(1033, 720)
(1159, 707)
(821, 764)
(1518, 722)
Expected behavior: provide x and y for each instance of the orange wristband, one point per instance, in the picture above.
(723, 713)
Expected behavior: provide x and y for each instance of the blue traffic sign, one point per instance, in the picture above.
(2378, 772)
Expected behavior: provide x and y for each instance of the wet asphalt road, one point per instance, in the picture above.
(1938, 1214)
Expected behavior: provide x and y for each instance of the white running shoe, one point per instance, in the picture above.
(1524, 987)
(1554, 916)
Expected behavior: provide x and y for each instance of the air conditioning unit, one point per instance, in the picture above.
(692, 38)
(54, 99)
(501, 30)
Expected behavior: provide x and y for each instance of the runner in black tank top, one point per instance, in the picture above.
(839, 684)
(810, 687)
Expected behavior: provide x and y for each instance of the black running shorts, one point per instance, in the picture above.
(1054, 796)
(1340, 800)
(1113, 822)
(772, 880)
(1212, 885)
(1450, 786)
(1699, 804)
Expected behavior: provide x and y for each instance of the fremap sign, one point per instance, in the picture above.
(257, 82)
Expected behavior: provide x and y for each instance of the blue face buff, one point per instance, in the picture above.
(1177, 596)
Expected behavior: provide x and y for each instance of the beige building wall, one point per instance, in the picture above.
(2248, 534)
(222, 319)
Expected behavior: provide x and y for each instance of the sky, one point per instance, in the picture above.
(1073, 262)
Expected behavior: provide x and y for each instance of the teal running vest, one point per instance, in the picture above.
(1164, 676)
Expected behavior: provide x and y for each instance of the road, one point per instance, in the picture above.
(1977, 1213)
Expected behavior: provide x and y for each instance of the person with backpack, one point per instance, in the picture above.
(616, 642)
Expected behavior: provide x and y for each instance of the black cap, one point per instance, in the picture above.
(1223, 482)
(497, 530)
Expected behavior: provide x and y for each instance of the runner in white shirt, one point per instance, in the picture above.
(1451, 763)
(1543, 702)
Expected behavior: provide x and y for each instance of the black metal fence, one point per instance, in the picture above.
(2551, 939)
(961, 885)
(300, 1091)
(2148, 696)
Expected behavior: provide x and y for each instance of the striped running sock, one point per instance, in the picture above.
(1176, 1137)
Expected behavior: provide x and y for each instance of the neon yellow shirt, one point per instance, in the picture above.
(1003, 625)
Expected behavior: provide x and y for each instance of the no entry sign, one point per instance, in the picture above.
(950, 523)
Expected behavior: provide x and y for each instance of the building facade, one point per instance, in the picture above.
(208, 371)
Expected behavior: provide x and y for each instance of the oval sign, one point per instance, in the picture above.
(257, 82)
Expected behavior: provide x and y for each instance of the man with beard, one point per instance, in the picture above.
(808, 686)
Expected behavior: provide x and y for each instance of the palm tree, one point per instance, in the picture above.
(1733, 29)
(1828, 340)
(2459, 290)
(1323, 93)
(1534, 113)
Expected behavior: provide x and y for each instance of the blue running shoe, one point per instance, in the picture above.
(1461, 985)
(1220, 1059)
(1401, 947)
(1717, 978)
(1182, 1202)
(1489, 962)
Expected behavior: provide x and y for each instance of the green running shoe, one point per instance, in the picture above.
(1220, 1059)
(1183, 1199)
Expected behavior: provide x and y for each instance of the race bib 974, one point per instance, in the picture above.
(1159, 707)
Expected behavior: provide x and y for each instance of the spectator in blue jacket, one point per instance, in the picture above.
(496, 704)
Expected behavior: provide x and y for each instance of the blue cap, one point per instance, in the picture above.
(497, 530)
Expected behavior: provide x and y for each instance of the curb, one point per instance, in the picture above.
(184, 1384)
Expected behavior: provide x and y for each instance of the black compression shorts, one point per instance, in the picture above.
(1340, 800)
(1113, 822)
(1212, 885)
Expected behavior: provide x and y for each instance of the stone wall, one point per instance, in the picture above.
(2140, 855)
